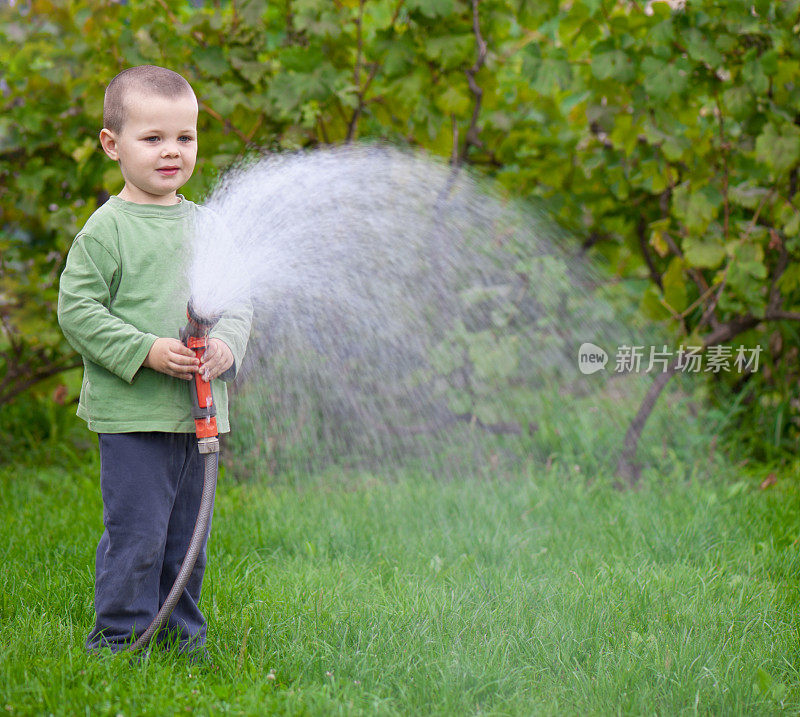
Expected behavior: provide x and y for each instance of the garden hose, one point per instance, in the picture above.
(195, 336)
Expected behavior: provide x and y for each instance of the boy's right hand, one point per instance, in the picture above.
(171, 357)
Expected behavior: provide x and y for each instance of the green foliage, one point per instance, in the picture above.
(667, 137)
(41, 430)
(674, 137)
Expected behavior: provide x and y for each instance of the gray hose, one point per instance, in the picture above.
(195, 545)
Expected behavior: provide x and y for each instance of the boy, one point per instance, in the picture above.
(123, 295)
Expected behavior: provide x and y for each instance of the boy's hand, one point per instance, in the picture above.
(171, 357)
(217, 359)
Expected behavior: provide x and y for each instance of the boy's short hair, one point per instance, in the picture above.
(149, 79)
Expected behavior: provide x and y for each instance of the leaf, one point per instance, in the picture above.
(770, 480)
(661, 8)
(746, 194)
(725, 42)
(703, 252)
(312, 19)
(651, 176)
(493, 358)
(487, 412)
(251, 70)
(700, 48)
(779, 146)
(664, 79)
(769, 62)
(749, 258)
(651, 305)
(753, 76)
(450, 50)
(553, 75)
(459, 401)
(657, 240)
(290, 90)
(251, 11)
(675, 148)
(746, 273)
(624, 135)
(575, 22)
(399, 56)
(614, 65)
(788, 218)
(661, 33)
(432, 8)
(84, 150)
(790, 279)
(696, 206)
(446, 358)
(763, 680)
(738, 101)
(675, 286)
(211, 60)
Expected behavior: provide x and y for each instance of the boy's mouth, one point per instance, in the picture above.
(168, 171)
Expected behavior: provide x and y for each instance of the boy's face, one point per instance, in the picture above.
(157, 147)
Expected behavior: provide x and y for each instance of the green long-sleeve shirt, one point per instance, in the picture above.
(124, 286)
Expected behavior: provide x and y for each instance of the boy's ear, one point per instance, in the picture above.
(109, 142)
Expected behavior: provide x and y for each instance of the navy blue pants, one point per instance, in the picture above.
(151, 484)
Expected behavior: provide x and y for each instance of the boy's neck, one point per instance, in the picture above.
(143, 198)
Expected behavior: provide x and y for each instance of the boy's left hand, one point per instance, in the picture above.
(216, 360)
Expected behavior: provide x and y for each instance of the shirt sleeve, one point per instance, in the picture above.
(84, 301)
(234, 329)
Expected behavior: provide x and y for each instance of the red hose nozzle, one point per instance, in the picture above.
(198, 325)
(204, 412)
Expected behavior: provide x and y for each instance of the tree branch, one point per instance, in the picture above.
(724, 147)
(454, 154)
(217, 116)
(627, 467)
(730, 329)
(352, 125)
(774, 296)
(641, 230)
(40, 375)
(781, 315)
(697, 276)
(472, 137)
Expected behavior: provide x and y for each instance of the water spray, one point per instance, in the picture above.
(195, 336)
(402, 311)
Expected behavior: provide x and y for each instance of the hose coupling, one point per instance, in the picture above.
(198, 325)
(208, 445)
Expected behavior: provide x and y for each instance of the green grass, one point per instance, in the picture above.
(537, 592)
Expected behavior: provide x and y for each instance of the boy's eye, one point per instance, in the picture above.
(185, 138)
(151, 139)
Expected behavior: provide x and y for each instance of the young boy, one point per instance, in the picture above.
(122, 300)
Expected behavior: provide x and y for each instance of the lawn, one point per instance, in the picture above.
(532, 591)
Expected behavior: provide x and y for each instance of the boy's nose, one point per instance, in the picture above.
(173, 151)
